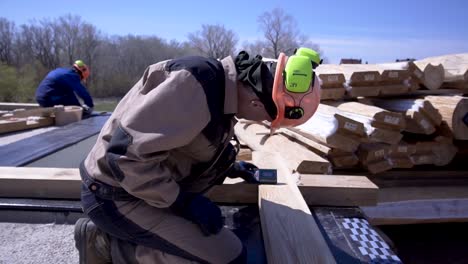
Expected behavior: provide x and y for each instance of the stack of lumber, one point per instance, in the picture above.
(22, 119)
(391, 133)
(383, 130)
(332, 85)
(414, 73)
(339, 158)
(399, 155)
(299, 158)
(426, 76)
(365, 80)
(421, 116)
(429, 135)
(379, 118)
(344, 137)
(332, 136)
(358, 81)
(392, 81)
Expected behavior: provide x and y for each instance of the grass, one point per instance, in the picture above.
(105, 104)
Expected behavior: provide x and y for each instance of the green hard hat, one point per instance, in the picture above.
(311, 54)
(80, 63)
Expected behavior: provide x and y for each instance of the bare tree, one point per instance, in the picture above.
(214, 41)
(43, 41)
(280, 32)
(256, 48)
(7, 34)
(68, 34)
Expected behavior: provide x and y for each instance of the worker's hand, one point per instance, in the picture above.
(200, 210)
(87, 111)
(244, 170)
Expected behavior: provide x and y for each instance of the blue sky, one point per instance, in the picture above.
(376, 31)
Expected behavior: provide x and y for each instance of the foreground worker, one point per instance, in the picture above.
(167, 142)
(60, 86)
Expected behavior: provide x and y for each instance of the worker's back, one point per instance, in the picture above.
(60, 86)
(56, 83)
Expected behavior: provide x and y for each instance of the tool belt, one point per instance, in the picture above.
(103, 190)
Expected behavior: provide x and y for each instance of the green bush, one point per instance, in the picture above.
(8, 83)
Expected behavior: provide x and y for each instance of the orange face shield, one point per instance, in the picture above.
(293, 107)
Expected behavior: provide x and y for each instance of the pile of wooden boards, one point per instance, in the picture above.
(22, 119)
(18, 117)
(376, 134)
(389, 79)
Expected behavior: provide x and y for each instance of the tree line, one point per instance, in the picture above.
(29, 51)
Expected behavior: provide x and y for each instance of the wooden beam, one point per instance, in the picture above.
(354, 74)
(332, 93)
(398, 194)
(289, 230)
(421, 115)
(17, 124)
(380, 117)
(455, 67)
(299, 158)
(374, 134)
(453, 110)
(330, 80)
(373, 156)
(13, 106)
(40, 182)
(41, 111)
(332, 129)
(418, 212)
(332, 190)
(324, 129)
(59, 183)
(339, 158)
(433, 74)
(332, 86)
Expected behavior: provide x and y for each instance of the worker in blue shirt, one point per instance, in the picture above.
(60, 86)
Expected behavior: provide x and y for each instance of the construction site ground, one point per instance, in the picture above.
(43, 243)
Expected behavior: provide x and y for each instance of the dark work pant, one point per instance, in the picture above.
(148, 229)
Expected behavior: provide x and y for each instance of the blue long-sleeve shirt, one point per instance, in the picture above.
(60, 86)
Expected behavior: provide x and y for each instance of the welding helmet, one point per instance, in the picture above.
(296, 92)
(80, 66)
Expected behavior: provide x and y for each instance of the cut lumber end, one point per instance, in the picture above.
(460, 120)
(332, 80)
(433, 76)
(332, 93)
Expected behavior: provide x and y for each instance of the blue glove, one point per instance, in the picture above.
(244, 170)
(199, 210)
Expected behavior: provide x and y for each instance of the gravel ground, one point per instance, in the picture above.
(37, 243)
(54, 243)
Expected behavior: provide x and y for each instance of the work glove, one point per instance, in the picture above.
(199, 210)
(87, 111)
(244, 170)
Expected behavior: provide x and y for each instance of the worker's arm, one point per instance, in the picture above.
(80, 90)
(170, 115)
